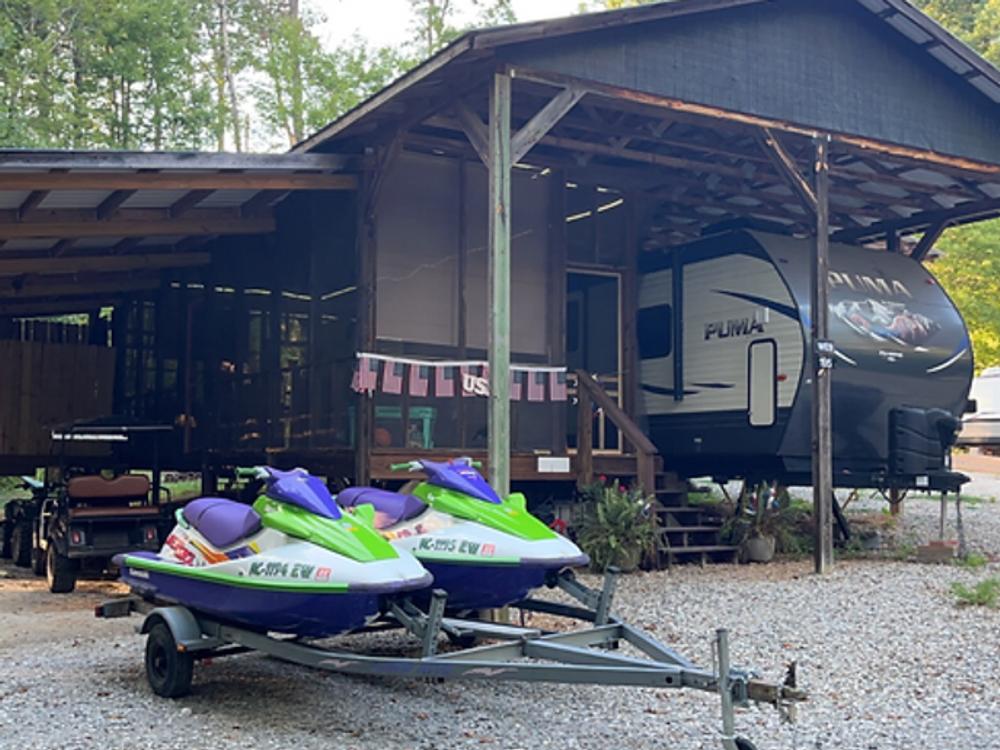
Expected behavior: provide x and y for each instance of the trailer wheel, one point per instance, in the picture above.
(742, 743)
(20, 544)
(59, 570)
(168, 670)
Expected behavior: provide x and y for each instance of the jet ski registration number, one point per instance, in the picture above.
(459, 546)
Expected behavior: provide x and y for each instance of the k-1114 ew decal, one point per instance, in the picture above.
(886, 321)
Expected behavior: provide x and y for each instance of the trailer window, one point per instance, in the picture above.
(763, 383)
(655, 332)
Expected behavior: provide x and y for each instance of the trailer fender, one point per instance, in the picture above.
(183, 625)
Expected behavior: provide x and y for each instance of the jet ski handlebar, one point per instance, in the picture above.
(252, 472)
(418, 464)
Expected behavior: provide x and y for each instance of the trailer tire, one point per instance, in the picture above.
(742, 743)
(168, 670)
(60, 571)
(20, 544)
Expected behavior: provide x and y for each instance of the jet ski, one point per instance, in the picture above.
(484, 551)
(292, 563)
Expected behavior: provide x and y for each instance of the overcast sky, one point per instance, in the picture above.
(385, 22)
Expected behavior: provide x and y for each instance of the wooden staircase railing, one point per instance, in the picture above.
(590, 392)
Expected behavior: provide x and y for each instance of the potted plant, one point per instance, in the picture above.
(752, 526)
(618, 527)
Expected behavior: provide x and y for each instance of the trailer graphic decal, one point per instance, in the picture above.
(886, 321)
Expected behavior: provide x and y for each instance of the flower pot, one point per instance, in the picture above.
(759, 549)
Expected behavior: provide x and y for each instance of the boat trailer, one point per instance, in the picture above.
(178, 636)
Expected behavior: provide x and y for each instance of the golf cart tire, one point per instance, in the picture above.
(168, 670)
(59, 570)
(742, 743)
(20, 544)
(5, 541)
(38, 561)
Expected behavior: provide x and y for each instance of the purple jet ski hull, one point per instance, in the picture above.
(307, 613)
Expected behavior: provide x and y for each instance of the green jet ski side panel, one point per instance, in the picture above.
(351, 536)
(209, 575)
(511, 516)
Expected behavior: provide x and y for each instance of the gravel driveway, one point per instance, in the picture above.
(889, 660)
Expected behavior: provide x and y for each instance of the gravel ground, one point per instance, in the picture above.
(889, 660)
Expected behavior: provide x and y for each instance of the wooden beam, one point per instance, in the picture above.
(786, 166)
(32, 288)
(543, 121)
(176, 160)
(29, 204)
(125, 245)
(261, 203)
(822, 364)
(474, 130)
(715, 113)
(125, 228)
(960, 214)
(174, 181)
(48, 266)
(929, 240)
(62, 247)
(112, 203)
(498, 288)
(60, 306)
(186, 202)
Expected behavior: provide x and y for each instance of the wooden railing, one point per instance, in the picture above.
(591, 393)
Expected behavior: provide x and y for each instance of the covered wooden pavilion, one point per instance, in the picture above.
(572, 144)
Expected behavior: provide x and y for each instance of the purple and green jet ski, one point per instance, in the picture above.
(292, 563)
(484, 551)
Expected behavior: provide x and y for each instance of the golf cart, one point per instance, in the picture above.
(90, 507)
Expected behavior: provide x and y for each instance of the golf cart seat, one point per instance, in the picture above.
(222, 522)
(96, 488)
(390, 507)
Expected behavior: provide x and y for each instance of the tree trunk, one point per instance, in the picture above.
(227, 69)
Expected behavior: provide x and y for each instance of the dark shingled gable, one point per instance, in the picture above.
(827, 64)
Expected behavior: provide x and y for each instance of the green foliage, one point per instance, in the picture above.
(190, 74)
(986, 593)
(969, 270)
(617, 527)
(973, 561)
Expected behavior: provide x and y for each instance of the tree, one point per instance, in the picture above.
(969, 270)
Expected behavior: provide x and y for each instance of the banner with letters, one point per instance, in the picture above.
(419, 378)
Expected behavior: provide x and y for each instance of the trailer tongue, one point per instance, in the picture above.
(178, 636)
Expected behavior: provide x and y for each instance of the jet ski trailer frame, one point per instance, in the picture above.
(178, 636)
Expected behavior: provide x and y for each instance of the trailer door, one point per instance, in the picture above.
(763, 382)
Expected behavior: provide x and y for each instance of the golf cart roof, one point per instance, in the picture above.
(107, 429)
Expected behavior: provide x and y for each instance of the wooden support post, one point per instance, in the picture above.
(463, 272)
(584, 437)
(498, 302)
(556, 295)
(822, 432)
(895, 501)
(364, 430)
(630, 310)
(315, 245)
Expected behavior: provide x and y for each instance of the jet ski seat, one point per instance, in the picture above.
(222, 522)
(390, 507)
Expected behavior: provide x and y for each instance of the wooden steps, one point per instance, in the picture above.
(688, 533)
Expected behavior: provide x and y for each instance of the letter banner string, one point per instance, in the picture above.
(418, 378)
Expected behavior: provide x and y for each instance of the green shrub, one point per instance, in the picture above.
(973, 561)
(617, 528)
(983, 594)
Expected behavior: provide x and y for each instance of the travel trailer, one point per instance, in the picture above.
(724, 337)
